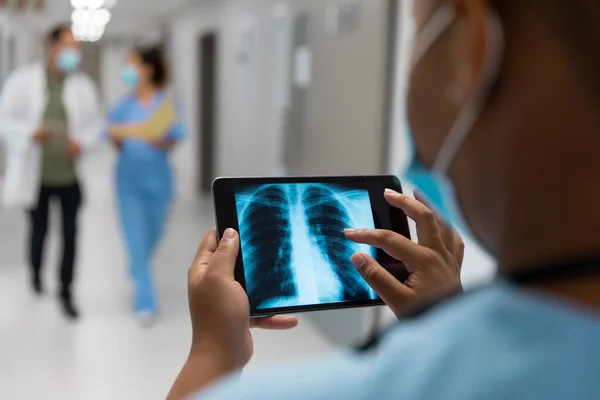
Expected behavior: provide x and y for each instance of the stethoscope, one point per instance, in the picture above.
(563, 270)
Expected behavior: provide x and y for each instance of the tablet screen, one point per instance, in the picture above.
(293, 245)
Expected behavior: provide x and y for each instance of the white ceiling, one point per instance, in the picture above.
(128, 16)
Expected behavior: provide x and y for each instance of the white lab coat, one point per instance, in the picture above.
(22, 106)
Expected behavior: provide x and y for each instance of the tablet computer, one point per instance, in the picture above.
(294, 256)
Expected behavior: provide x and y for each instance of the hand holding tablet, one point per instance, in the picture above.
(294, 254)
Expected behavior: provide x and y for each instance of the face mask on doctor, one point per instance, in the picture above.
(68, 60)
(434, 183)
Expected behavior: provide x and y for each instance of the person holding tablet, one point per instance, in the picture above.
(144, 129)
(503, 105)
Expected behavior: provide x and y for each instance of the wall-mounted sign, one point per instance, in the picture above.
(303, 71)
(248, 39)
(24, 5)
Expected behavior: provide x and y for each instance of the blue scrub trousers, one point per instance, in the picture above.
(143, 218)
(145, 192)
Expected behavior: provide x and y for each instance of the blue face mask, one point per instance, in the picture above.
(434, 183)
(68, 60)
(130, 76)
(438, 189)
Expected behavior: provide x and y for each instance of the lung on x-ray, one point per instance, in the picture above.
(293, 245)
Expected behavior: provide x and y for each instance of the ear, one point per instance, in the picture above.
(471, 43)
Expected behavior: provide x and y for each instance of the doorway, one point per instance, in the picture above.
(208, 90)
(300, 68)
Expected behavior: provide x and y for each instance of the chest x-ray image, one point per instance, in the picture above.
(293, 246)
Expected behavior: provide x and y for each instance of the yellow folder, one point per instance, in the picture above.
(154, 129)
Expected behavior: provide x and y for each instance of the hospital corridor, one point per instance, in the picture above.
(130, 109)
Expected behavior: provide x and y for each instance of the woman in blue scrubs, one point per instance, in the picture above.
(143, 174)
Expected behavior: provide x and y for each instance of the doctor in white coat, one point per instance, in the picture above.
(50, 117)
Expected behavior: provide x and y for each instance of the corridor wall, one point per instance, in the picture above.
(346, 99)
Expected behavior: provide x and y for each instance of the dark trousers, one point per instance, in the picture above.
(70, 200)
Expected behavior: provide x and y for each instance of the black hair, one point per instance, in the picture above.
(575, 25)
(155, 58)
(55, 33)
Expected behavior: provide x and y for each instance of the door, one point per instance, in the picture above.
(338, 124)
(208, 53)
(301, 66)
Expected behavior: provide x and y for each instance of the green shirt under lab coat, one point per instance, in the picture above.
(58, 169)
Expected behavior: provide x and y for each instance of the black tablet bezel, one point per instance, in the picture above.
(226, 217)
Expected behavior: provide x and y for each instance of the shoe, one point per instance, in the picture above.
(146, 318)
(37, 286)
(69, 309)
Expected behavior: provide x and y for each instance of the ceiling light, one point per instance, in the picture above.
(79, 30)
(90, 18)
(101, 17)
(93, 4)
(81, 16)
(94, 30)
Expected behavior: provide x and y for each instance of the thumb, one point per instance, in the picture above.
(393, 292)
(224, 258)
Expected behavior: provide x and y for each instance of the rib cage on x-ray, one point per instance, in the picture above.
(293, 246)
(267, 242)
(327, 218)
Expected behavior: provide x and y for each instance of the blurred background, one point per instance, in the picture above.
(265, 87)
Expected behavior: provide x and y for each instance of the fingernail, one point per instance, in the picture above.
(358, 261)
(390, 191)
(349, 230)
(229, 234)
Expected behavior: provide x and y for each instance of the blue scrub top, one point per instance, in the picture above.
(499, 343)
(141, 166)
